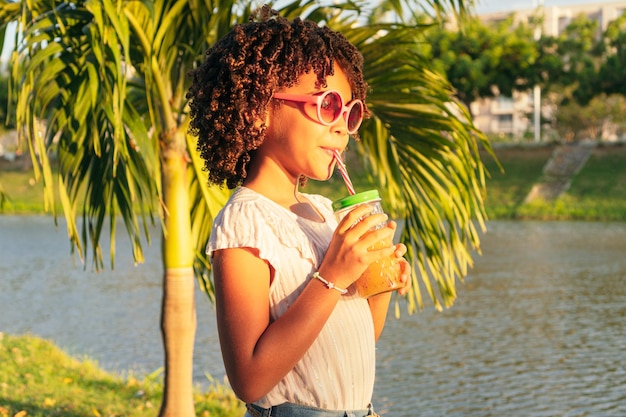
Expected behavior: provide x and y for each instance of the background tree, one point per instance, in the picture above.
(580, 55)
(612, 72)
(599, 119)
(586, 91)
(485, 60)
(547, 71)
(109, 80)
(482, 60)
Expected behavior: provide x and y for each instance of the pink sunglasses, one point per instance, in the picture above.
(330, 107)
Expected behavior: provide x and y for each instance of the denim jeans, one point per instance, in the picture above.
(296, 410)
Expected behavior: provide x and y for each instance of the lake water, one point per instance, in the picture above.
(538, 329)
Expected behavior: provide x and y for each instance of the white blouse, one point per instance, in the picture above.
(337, 372)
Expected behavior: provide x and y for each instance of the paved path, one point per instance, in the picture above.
(565, 162)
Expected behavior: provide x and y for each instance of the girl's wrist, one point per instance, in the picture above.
(329, 284)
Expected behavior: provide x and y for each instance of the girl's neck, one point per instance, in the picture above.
(281, 192)
(269, 179)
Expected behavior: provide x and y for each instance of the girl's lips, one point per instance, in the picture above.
(332, 151)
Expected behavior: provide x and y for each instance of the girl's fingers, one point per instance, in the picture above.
(352, 218)
(400, 250)
(360, 220)
(405, 277)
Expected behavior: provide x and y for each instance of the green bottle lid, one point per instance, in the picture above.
(355, 199)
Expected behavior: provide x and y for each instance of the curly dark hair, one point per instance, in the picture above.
(232, 89)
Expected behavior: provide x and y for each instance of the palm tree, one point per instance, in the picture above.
(108, 79)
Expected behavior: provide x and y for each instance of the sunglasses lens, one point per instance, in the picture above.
(330, 107)
(355, 117)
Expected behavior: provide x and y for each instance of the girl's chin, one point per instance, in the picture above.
(325, 177)
(319, 175)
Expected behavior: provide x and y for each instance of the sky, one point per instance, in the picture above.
(489, 6)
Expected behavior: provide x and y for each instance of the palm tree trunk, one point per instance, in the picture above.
(178, 310)
(178, 325)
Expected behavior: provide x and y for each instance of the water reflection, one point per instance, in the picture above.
(538, 328)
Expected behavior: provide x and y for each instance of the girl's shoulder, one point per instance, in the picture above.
(247, 200)
(246, 205)
(250, 219)
(248, 209)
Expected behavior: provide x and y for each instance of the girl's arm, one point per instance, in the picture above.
(379, 304)
(258, 352)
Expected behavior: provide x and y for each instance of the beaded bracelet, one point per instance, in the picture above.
(328, 284)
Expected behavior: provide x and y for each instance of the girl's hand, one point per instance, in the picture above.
(349, 252)
(405, 269)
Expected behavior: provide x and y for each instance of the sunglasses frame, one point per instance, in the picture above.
(318, 98)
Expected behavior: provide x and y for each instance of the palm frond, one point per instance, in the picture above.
(423, 153)
(75, 59)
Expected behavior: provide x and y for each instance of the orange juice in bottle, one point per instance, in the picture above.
(384, 274)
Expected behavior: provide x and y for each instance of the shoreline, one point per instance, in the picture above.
(596, 193)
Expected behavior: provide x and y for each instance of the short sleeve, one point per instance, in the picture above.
(252, 221)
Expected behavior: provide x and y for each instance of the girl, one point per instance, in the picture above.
(271, 103)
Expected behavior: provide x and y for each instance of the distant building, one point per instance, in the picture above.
(556, 18)
(514, 115)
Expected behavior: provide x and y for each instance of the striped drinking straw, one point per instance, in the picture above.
(344, 172)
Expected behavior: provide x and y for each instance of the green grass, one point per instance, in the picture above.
(507, 188)
(37, 379)
(597, 192)
(603, 175)
(23, 194)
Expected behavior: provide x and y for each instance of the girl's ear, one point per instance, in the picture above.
(265, 120)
